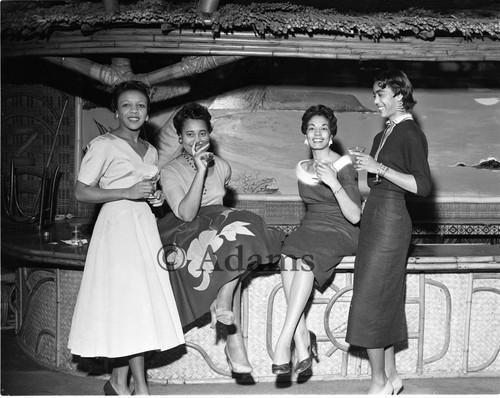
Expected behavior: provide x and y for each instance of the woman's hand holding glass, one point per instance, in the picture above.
(366, 162)
(326, 173)
(155, 197)
(354, 151)
(141, 190)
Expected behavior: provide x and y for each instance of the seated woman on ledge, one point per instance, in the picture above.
(328, 185)
(210, 248)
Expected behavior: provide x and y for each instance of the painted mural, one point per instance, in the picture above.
(257, 130)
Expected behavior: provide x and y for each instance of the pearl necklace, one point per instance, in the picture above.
(189, 159)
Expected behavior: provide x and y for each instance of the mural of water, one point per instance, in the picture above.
(257, 129)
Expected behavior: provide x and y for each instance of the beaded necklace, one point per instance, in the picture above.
(189, 159)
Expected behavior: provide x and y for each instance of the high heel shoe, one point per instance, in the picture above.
(388, 389)
(237, 367)
(109, 389)
(312, 350)
(284, 368)
(398, 386)
(225, 317)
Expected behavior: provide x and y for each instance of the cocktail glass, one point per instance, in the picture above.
(154, 179)
(354, 151)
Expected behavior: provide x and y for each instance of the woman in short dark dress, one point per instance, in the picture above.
(328, 185)
(397, 166)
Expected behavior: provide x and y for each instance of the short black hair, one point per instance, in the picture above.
(129, 85)
(399, 83)
(193, 111)
(320, 110)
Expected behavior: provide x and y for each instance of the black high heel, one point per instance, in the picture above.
(109, 389)
(305, 364)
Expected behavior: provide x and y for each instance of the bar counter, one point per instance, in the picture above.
(452, 306)
(26, 242)
(45, 246)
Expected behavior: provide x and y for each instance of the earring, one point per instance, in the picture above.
(400, 107)
(116, 116)
(180, 140)
(306, 142)
(331, 141)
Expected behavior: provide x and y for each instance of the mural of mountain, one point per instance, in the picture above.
(489, 164)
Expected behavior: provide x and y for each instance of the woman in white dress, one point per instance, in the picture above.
(125, 306)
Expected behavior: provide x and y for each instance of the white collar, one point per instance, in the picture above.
(400, 119)
(310, 179)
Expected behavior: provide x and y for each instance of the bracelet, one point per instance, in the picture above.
(382, 169)
(338, 190)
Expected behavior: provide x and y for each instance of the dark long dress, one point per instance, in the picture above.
(377, 313)
(217, 246)
(324, 236)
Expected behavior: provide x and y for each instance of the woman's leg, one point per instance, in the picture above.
(138, 373)
(297, 283)
(235, 345)
(226, 294)
(390, 368)
(222, 308)
(119, 376)
(379, 382)
(301, 336)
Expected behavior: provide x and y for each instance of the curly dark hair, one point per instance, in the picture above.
(399, 83)
(320, 110)
(192, 111)
(130, 85)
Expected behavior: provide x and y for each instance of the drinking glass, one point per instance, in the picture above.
(152, 178)
(354, 150)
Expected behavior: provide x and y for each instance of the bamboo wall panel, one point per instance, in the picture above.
(34, 110)
(452, 310)
(137, 41)
(453, 322)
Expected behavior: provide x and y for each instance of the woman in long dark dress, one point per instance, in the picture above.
(328, 185)
(397, 166)
(209, 247)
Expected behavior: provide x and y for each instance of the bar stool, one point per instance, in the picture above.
(8, 304)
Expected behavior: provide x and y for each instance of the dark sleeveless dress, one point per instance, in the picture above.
(324, 236)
